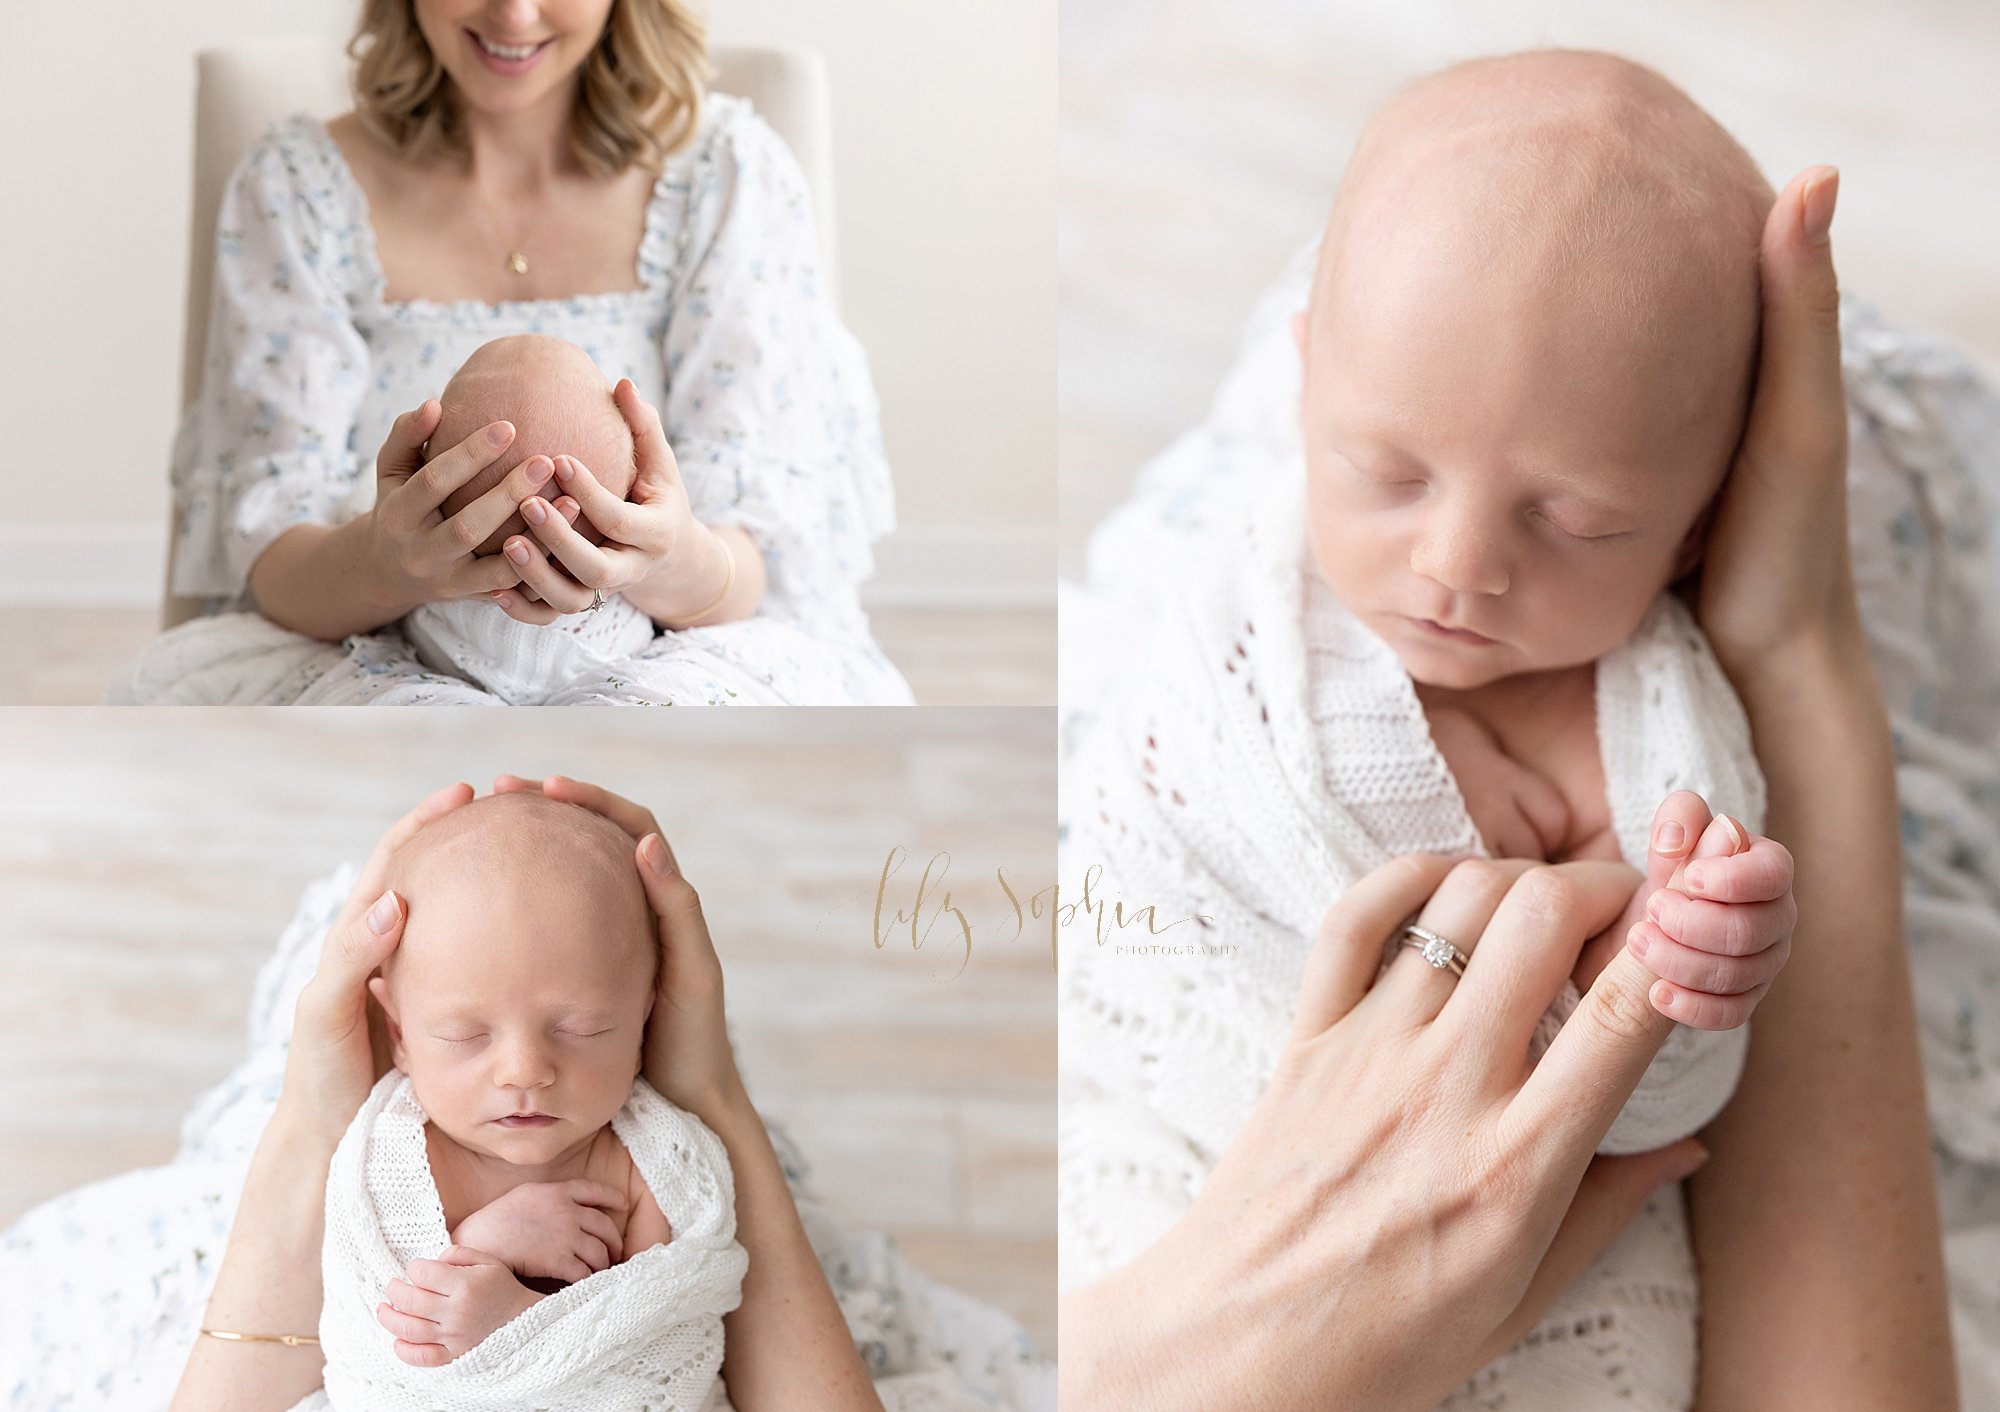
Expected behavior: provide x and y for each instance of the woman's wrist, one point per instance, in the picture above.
(691, 585)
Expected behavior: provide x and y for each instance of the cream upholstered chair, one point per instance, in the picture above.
(239, 88)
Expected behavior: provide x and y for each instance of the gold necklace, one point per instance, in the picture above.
(517, 261)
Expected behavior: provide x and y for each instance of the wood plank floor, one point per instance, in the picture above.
(950, 656)
(149, 859)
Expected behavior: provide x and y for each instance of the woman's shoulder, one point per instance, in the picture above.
(295, 171)
(733, 152)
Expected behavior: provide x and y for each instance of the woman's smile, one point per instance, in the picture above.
(509, 59)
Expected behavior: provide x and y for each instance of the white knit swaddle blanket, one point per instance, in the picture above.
(646, 1334)
(1273, 751)
(526, 663)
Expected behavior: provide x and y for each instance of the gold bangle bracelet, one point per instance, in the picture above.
(289, 1340)
(728, 582)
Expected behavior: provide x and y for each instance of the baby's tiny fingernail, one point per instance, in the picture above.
(1662, 997)
(504, 598)
(382, 915)
(1653, 905)
(1669, 837)
(1636, 939)
(1694, 879)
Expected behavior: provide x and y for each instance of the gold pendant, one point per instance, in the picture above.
(518, 263)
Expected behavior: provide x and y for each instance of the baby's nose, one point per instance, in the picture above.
(1461, 557)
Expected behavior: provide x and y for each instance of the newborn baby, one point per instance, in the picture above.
(559, 404)
(1527, 362)
(516, 1004)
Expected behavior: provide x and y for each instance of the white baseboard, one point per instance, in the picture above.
(122, 565)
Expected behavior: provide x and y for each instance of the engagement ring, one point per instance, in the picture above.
(1435, 949)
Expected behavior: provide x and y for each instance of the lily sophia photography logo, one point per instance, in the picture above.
(917, 908)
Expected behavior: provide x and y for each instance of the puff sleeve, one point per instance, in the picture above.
(268, 443)
(770, 409)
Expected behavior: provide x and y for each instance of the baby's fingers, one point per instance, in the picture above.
(598, 1235)
(1701, 1011)
(422, 1355)
(406, 1326)
(1689, 969)
(1760, 873)
(1723, 928)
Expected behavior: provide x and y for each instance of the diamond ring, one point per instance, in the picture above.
(1435, 949)
(596, 600)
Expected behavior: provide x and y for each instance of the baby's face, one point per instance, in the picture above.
(523, 982)
(559, 404)
(1503, 435)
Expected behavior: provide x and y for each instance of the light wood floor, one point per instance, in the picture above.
(950, 656)
(149, 858)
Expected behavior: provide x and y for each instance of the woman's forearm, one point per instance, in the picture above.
(786, 1346)
(319, 580)
(671, 598)
(269, 1284)
(1815, 1220)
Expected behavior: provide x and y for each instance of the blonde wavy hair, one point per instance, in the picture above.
(639, 99)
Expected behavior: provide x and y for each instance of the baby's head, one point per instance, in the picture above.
(559, 404)
(1528, 359)
(525, 975)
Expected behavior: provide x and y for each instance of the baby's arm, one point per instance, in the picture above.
(1517, 812)
(648, 1226)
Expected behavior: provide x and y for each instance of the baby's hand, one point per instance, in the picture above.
(549, 1230)
(1720, 929)
(445, 1307)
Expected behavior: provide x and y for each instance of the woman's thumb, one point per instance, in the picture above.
(1610, 1195)
(1801, 293)
(371, 937)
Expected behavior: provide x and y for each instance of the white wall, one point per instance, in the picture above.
(944, 128)
(1201, 140)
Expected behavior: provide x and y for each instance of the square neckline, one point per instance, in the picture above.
(376, 280)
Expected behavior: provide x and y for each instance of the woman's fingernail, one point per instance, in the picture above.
(517, 551)
(565, 470)
(1695, 879)
(540, 472)
(1818, 198)
(655, 852)
(499, 434)
(382, 915)
(536, 510)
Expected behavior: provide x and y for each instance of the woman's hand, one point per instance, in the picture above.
(549, 1230)
(418, 556)
(1776, 569)
(651, 537)
(688, 1058)
(337, 1053)
(1407, 1195)
(444, 1308)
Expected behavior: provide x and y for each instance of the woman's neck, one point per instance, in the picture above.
(516, 157)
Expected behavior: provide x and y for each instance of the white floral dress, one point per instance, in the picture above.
(765, 396)
(102, 1289)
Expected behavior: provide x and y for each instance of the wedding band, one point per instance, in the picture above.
(1435, 949)
(596, 600)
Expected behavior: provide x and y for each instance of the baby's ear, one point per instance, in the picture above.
(379, 988)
